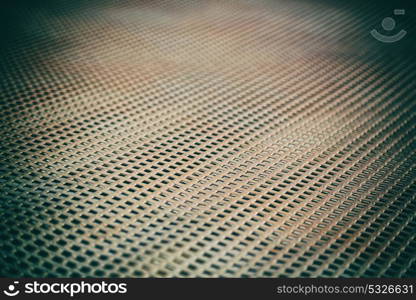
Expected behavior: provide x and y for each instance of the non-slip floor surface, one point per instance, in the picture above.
(207, 139)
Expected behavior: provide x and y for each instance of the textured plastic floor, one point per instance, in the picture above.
(207, 139)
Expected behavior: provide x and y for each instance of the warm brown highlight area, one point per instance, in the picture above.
(207, 139)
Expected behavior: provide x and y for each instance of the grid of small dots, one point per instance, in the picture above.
(205, 139)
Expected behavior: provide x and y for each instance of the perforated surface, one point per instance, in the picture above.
(213, 138)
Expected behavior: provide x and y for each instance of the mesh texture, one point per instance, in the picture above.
(207, 139)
